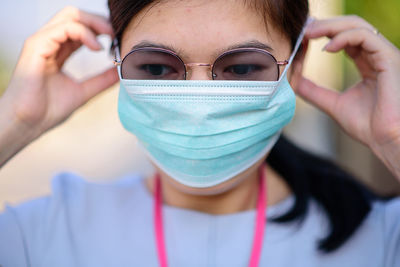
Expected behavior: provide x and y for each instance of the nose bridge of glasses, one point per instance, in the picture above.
(199, 74)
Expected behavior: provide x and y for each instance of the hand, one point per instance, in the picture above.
(370, 110)
(40, 95)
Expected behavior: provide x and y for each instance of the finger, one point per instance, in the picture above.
(359, 37)
(48, 42)
(98, 83)
(97, 23)
(364, 39)
(333, 26)
(66, 52)
(322, 98)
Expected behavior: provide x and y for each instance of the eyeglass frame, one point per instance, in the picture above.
(119, 62)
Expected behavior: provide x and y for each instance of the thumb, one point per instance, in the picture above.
(98, 83)
(323, 98)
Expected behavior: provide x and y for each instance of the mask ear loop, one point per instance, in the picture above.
(296, 47)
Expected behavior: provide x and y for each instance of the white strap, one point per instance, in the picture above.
(297, 46)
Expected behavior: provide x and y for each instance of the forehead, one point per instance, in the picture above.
(201, 25)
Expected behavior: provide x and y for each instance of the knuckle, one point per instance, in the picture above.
(33, 39)
(33, 43)
(72, 25)
(76, 29)
(72, 12)
(70, 28)
(29, 41)
(359, 21)
(356, 18)
(362, 30)
(366, 31)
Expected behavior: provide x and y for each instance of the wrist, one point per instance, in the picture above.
(389, 154)
(14, 133)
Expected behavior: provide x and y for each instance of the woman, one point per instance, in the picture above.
(208, 137)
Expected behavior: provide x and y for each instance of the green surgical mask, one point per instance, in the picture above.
(203, 133)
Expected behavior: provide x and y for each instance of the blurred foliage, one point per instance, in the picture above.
(4, 75)
(383, 14)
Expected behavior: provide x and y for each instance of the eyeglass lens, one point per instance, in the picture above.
(247, 65)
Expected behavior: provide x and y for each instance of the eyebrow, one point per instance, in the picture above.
(251, 44)
(248, 44)
(144, 44)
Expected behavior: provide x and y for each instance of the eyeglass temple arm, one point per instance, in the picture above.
(117, 60)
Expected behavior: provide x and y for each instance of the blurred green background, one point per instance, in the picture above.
(4, 74)
(384, 15)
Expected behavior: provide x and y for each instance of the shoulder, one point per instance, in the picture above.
(381, 231)
(72, 193)
(74, 198)
(383, 220)
(388, 208)
(387, 215)
(69, 188)
(74, 206)
(378, 235)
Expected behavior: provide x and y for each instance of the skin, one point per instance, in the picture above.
(40, 96)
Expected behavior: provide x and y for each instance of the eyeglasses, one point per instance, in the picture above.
(247, 64)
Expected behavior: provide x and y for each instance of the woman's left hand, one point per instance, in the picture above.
(369, 111)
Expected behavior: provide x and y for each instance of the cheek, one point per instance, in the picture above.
(295, 75)
(292, 80)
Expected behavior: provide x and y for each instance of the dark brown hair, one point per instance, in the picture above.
(345, 202)
(286, 16)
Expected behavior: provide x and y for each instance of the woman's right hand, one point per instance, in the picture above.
(40, 95)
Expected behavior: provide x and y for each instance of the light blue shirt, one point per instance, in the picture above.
(87, 224)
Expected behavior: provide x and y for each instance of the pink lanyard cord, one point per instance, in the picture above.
(158, 224)
(261, 220)
(259, 229)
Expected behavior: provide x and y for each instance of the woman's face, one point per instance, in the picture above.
(199, 31)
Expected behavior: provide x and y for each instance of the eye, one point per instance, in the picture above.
(157, 70)
(242, 69)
